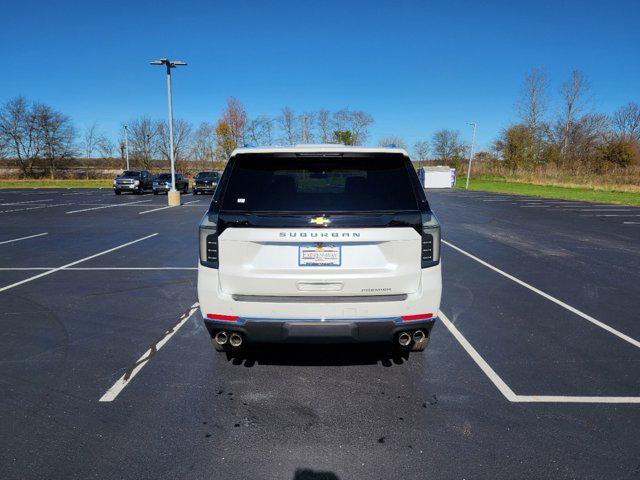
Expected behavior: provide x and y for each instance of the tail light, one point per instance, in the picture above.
(226, 318)
(209, 240)
(430, 240)
(420, 316)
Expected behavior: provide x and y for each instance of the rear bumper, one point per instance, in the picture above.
(263, 330)
(353, 319)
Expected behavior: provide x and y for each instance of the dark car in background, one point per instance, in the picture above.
(206, 182)
(162, 183)
(135, 181)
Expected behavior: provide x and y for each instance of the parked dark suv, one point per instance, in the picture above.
(136, 181)
(162, 183)
(206, 182)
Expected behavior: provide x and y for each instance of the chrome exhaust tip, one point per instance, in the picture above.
(419, 336)
(235, 339)
(221, 338)
(404, 339)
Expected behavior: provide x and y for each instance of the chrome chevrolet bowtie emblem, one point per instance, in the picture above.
(320, 221)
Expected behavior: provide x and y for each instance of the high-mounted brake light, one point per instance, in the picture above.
(420, 316)
(226, 318)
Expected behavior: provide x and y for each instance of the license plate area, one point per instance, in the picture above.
(319, 255)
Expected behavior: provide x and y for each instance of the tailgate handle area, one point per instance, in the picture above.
(320, 286)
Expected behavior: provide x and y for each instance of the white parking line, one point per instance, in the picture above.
(90, 269)
(23, 238)
(107, 206)
(631, 223)
(155, 210)
(589, 318)
(30, 201)
(111, 394)
(57, 269)
(484, 366)
(582, 205)
(612, 215)
(508, 393)
(35, 208)
(192, 201)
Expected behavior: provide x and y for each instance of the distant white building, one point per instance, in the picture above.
(437, 177)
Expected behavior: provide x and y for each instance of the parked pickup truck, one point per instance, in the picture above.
(205, 182)
(135, 181)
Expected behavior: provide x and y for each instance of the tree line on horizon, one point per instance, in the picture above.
(565, 132)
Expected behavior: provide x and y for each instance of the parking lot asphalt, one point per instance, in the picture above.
(533, 370)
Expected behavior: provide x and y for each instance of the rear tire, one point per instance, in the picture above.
(155, 192)
(118, 192)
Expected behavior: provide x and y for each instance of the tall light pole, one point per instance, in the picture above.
(473, 141)
(174, 197)
(126, 144)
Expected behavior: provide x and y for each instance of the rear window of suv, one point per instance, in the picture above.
(372, 183)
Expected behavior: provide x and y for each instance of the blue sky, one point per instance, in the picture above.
(415, 66)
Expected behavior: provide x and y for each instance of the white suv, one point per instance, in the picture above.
(319, 244)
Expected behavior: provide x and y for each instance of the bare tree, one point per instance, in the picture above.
(341, 120)
(142, 141)
(106, 147)
(259, 131)
(534, 101)
(56, 135)
(573, 93)
(307, 122)
(182, 134)
(324, 125)
(447, 146)
(626, 122)
(89, 143)
(19, 133)
(89, 140)
(421, 150)
(392, 140)
(288, 124)
(357, 122)
(587, 133)
(204, 143)
(360, 123)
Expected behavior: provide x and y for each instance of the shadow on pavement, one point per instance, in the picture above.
(307, 474)
(317, 355)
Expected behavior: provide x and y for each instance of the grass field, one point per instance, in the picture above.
(104, 183)
(489, 183)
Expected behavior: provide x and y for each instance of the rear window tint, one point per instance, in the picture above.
(261, 183)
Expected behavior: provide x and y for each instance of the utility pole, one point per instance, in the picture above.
(473, 141)
(174, 196)
(126, 144)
